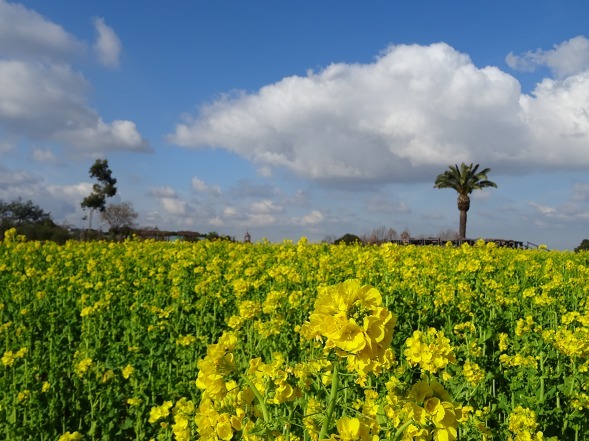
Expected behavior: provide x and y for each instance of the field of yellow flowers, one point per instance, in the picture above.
(145, 340)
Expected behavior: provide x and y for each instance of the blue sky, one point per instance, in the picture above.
(306, 118)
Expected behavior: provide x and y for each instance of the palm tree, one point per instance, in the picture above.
(464, 180)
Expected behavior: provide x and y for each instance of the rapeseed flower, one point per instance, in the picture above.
(82, 367)
(158, 412)
(351, 319)
(67, 436)
(127, 371)
(430, 350)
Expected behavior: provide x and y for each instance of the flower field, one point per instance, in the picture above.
(294, 341)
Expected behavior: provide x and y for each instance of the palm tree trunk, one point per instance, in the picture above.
(463, 206)
(462, 230)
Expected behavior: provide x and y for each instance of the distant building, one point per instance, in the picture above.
(247, 238)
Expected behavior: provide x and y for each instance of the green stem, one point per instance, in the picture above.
(332, 401)
(259, 397)
(401, 429)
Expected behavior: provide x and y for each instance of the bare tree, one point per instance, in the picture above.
(119, 216)
(380, 235)
(448, 234)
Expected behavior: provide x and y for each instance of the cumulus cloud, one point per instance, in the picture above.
(108, 45)
(42, 97)
(162, 192)
(265, 207)
(11, 178)
(47, 101)
(315, 217)
(200, 186)
(580, 191)
(45, 156)
(174, 206)
(25, 33)
(399, 119)
(382, 204)
(568, 58)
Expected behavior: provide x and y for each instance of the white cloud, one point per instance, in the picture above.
(568, 58)
(162, 192)
(45, 156)
(200, 186)
(315, 217)
(25, 33)
(265, 207)
(259, 220)
(580, 191)
(10, 179)
(382, 204)
(108, 45)
(47, 101)
(414, 108)
(42, 97)
(399, 119)
(174, 206)
(74, 192)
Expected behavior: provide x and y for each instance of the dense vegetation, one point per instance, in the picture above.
(220, 340)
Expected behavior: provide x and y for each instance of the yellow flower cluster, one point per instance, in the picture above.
(82, 366)
(10, 357)
(472, 372)
(571, 342)
(127, 371)
(218, 362)
(67, 436)
(352, 429)
(273, 380)
(159, 412)
(518, 360)
(430, 350)
(352, 320)
(522, 424)
(433, 413)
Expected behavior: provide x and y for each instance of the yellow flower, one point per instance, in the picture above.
(352, 429)
(159, 412)
(134, 401)
(23, 395)
(353, 321)
(522, 424)
(223, 428)
(67, 436)
(46, 386)
(108, 375)
(186, 340)
(83, 366)
(473, 373)
(8, 358)
(430, 350)
(128, 371)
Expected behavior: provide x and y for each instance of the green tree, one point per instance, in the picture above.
(104, 188)
(18, 212)
(584, 246)
(464, 180)
(30, 220)
(348, 239)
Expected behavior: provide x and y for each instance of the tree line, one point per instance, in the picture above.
(35, 223)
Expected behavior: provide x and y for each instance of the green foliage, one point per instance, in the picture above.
(96, 335)
(31, 221)
(584, 246)
(104, 188)
(464, 179)
(348, 239)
